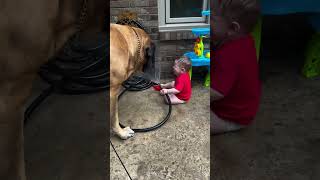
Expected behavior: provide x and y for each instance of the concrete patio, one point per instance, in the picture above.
(284, 141)
(177, 150)
(66, 137)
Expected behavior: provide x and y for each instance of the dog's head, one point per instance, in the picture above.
(148, 56)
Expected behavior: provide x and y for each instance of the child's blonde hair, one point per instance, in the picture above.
(184, 62)
(245, 12)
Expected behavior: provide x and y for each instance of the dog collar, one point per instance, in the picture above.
(139, 43)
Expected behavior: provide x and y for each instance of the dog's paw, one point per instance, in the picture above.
(126, 133)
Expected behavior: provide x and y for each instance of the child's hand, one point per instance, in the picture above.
(163, 91)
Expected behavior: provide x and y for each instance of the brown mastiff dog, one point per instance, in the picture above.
(131, 50)
(31, 32)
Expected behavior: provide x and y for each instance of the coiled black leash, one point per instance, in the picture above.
(136, 83)
(80, 68)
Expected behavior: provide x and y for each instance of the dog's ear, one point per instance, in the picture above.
(150, 51)
(149, 57)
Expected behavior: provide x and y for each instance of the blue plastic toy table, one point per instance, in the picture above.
(289, 6)
(202, 60)
(278, 7)
(197, 61)
(312, 9)
(201, 31)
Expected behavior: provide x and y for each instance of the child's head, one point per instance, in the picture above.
(181, 65)
(234, 18)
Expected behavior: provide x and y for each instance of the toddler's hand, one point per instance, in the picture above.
(163, 91)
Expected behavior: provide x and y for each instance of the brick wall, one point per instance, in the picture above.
(170, 45)
(147, 11)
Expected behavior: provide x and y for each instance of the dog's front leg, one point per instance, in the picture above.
(126, 132)
(13, 94)
(11, 144)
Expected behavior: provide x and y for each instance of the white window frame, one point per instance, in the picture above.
(186, 19)
(180, 24)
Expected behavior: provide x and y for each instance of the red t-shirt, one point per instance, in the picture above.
(235, 74)
(183, 84)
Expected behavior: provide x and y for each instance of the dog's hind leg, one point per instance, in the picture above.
(126, 132)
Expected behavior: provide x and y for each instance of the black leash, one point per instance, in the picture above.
(120, 160)
(135, 83)
(80, 68)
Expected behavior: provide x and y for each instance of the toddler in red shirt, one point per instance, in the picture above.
(179, 90)
(235, 86)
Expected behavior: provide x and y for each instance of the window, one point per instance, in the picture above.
(177, 15)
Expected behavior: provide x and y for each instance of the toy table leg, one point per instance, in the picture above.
(190, 73)
(207, 78)
(256, 33)
(311, 66)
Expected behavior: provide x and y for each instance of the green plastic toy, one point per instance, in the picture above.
(311, 66)
(198, 47)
